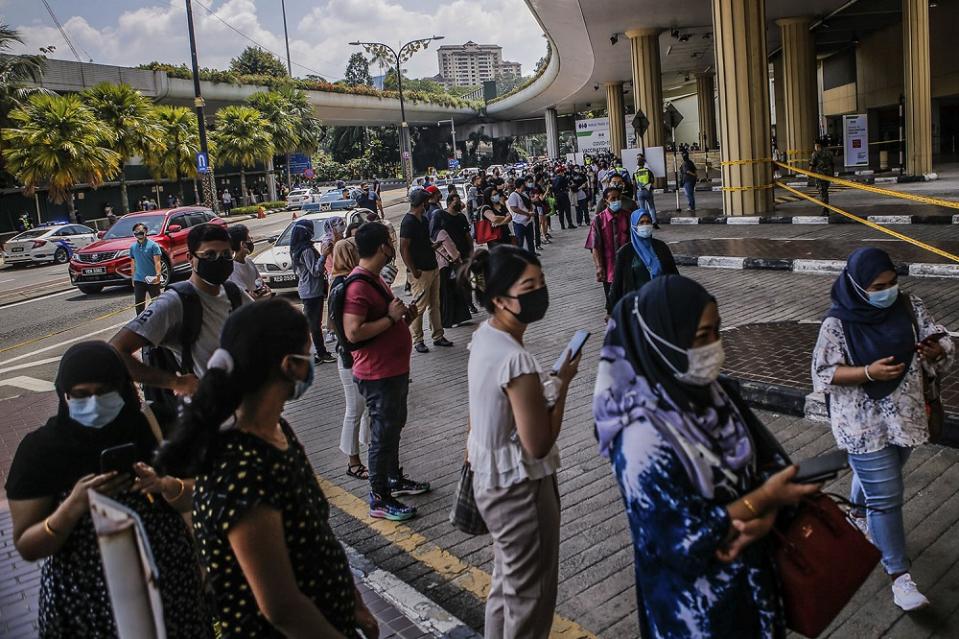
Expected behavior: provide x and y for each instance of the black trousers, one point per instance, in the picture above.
(140, 290)
(313, 309)
(564, 211)
(823, 186)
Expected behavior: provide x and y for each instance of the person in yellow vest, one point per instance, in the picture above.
(643, 177)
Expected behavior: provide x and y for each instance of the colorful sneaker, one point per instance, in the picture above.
(390, 508)
(406, 486)
(906, 594)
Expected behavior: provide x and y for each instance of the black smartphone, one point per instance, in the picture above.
(935, 337)
(821, 468)
(574, 348)
(118, 458)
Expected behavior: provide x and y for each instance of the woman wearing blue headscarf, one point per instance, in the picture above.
(701, 478)
(643, 259)
(309, 264)
(873, 347)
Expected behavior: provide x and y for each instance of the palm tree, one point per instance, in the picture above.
(178, 160)
(309, 129)
(15, 71)
(58, 142)
(243, 138)
(278, 111)
(131, 124)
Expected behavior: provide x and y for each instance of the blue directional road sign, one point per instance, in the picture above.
(452, 163)
(202, 162)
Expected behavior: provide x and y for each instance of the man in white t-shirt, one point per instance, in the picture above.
(244, 273)
(519, 205)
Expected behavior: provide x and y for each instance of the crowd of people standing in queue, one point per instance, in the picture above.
(702, 480)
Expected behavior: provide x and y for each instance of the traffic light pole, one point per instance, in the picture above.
(206, 178)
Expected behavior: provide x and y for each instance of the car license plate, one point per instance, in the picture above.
(284, 278)
(100, 270)
(16, 249)
(326, 206)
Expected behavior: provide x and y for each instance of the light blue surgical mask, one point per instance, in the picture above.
(494, 199)
(884, 298)
(300, 386)
(95, 411)
(615, 205)
(645, 231)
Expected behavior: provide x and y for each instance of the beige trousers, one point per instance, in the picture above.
(426, 289)
(523, 520)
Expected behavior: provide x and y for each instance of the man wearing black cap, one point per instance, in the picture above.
(419, 254)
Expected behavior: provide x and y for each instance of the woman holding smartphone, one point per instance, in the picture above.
(53, 469)
(516, 413)
(874, 347)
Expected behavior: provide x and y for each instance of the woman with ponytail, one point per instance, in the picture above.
(516, 412)
(260, 517)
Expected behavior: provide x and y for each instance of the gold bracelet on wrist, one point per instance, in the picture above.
(179, 494)
(47, 529)
(750, 506)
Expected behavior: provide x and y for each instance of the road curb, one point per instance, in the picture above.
(799, 265)
(883, 220)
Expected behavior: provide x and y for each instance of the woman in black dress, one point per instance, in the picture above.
(451, 230)
(52, 471)
(643, 259)
(260, 518)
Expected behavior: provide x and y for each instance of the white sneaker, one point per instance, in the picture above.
(330, 336)
(907, 595)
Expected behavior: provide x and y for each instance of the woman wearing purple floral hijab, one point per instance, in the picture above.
(691, 461)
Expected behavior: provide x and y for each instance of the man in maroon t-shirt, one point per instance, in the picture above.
(381, 369)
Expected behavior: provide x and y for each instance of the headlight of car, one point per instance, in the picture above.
(123, 253)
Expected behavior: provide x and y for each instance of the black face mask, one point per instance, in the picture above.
(215, 272)
(532, 305)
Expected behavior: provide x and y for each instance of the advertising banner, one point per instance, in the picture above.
(855, 129)
(592, 136)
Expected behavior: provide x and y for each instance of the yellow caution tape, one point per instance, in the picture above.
(738, 162)
(755, 187)
(872, 225)
(872, 189)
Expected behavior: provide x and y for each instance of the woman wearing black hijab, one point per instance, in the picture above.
(697, 471)
(53, 469)
(873, 347)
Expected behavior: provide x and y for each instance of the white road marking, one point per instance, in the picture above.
(59, 344)
(37, 299)
(28, 383)
(39, 362)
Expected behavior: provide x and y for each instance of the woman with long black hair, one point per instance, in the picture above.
(449, 229)
(260, 517)
(53, 469)
(309, 264)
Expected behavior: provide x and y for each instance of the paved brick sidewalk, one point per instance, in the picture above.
(821, 249)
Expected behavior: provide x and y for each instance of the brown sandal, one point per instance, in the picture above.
(359, 471)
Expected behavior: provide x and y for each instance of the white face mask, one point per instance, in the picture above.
(704, 363)
(644, 231)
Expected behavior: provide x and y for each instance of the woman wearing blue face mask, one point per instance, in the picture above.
(52, 471)
(260, 518)
(873, 346)
(701, 478)
(640, 261)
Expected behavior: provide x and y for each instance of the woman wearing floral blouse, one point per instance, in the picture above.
(872, 348)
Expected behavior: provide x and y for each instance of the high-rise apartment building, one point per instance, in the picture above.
(472, 64)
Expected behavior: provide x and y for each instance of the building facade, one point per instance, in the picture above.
(471, 64)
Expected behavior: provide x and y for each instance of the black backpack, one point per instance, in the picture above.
(163, 402)
(337, 300)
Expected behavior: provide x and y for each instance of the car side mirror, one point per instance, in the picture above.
(272, 239)
(173, 228)
(100, 234)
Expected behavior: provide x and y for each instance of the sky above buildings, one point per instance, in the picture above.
(131, 32)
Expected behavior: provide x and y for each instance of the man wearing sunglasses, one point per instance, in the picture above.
(145, 254)
(186, 319)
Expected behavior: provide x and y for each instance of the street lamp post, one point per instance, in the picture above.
(452, 133)
(206, 178)
(379, 51)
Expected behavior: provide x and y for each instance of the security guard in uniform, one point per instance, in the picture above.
(821, 161)
(643, 177)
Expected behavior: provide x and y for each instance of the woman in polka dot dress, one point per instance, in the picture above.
(260, 518)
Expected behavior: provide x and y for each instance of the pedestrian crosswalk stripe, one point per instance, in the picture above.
(442, 562)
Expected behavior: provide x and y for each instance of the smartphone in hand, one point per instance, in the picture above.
(118, 458)
(821, 468)
(573, 349)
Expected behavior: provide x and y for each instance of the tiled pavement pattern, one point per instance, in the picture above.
(596, 588)
(821, 249)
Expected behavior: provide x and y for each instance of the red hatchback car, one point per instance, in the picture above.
(107, 261)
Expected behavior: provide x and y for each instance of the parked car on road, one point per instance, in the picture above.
(298, 197)
(107, 262)
(53, 243)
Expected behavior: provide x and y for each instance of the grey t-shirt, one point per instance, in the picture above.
(159, 324)
(245, 275)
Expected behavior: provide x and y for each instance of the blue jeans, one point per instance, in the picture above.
(690, 188)
(877, 482)
(386, 404)
(645, 201)
(524, 233)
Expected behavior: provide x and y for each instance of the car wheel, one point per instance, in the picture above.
(62, 256)
(90, 289)
(166, 273)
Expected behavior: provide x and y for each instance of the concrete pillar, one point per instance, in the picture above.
(779, 100)
(617, 117)
(648, 82)
(800, 90)
(916, 82)
(705, 93)
(552, 134)
(743, 77)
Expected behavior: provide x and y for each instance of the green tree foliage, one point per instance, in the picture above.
(424, 85)
(131, 124)
(182, 136)
(358, 71)
(242, 138)
(15, 72)
(256, 61)
(58, 142)
(506, 83)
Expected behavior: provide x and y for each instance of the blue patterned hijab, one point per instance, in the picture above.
(644, 246)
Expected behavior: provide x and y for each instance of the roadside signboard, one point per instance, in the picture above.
(202, 162)
(592, 135)
(452, 163)
(855, 146)
(299, 163)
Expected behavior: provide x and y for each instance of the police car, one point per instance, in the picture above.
(53, 243)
